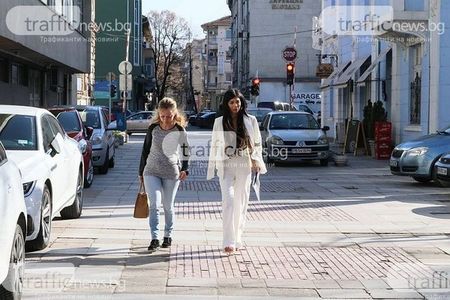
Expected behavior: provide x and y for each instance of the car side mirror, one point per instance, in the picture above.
(88, 132)
(325, 128)
(111, 126)
(55, 144)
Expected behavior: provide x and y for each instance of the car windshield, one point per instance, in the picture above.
(69, 121)
(90, 118)
(293, 121)
(18, 132)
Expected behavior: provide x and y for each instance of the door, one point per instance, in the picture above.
(59, 172)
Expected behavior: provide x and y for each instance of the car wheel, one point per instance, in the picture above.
(74, 211)
(104, 168)
(421, 179)
(12, 287)
(90, 175)
(45, 224)
(324, 162)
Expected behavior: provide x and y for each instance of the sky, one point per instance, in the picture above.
(196, 12)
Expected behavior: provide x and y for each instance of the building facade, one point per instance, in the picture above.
(261, 30)
(114, 18)
(37, 63)
(404, 67)
(218, 64)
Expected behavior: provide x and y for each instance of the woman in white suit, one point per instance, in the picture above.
(236, 151)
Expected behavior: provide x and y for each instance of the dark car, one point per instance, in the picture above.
(259, 113)
(442, 170)
(194, 118)
(273, 105)
(70, 120)
(207, 120)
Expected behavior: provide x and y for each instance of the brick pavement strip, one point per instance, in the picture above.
(272, 263)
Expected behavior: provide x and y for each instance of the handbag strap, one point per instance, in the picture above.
(142, 188)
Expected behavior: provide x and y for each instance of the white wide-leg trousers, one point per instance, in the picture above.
(235, 188)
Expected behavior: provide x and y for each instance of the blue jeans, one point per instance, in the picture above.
(161, 190)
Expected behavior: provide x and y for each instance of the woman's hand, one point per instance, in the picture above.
(255, 167)
(183, 175)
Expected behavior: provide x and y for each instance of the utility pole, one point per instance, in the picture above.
(124, 94)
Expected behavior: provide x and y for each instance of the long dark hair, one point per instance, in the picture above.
(227, 122)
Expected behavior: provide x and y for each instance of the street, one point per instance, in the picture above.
(319, 232)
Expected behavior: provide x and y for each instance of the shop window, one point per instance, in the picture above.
(14, 74)
(4, 70)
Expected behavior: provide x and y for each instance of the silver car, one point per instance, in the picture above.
(417, 158)
(294, 135)
(102, 138)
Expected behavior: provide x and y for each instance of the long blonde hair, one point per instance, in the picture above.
(169, 103)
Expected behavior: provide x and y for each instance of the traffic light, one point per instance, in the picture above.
(112, 90)
(255, 87)
(290, 70)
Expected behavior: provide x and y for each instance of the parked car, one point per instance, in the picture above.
(306, 108)
(13, 228)
(51, 165)
(273, 105)
(291, 136)
(443, 170)
(194, 118)
(207, 120)
(102, 139)
(417, 158)
(139, 122)
(70, 120)
(259, 113)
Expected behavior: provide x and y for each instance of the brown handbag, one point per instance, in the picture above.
(141, 204)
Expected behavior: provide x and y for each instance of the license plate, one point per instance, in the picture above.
(393, 163)
(301, 150)
(442, 171)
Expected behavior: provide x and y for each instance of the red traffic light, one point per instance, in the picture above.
(290, 67)
(256, 81)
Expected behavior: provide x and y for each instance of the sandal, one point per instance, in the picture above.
(229, 250)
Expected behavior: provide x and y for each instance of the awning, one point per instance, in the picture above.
(336, 73)
(369, 70)
(347, 75)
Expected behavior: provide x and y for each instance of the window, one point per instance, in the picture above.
(3, 157)
(18, 132)
(47, 134)
(69, 120)
(228, 34)
(14, 74)
(227, 76)
(414, 5)
(415, 85)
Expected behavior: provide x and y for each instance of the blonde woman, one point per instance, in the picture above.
(164, 162)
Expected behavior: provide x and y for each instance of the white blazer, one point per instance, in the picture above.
(217, 154)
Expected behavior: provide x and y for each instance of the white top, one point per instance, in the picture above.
(217, 154)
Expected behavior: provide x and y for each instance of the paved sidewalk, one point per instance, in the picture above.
(352, 232)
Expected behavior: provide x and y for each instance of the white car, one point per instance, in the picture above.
(51, 165)
(13, 228)
(294, 136)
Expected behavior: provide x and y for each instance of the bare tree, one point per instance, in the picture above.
(170, 34)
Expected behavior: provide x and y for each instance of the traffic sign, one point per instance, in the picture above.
(125, 67)
(289, 54)
(128, 85)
